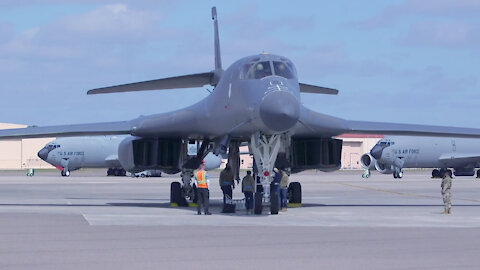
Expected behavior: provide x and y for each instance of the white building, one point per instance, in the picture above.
(16, 154)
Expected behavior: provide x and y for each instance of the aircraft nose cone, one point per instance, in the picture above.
(43, 153)
(376, 152)
(279, 110)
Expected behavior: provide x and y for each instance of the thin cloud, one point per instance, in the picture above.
(451, 34)
(392, 13)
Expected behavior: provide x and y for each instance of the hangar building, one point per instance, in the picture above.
(17, 154)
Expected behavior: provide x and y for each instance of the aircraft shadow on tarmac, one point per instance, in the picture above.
(218, 205)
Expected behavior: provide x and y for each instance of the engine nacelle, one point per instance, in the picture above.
(382, 168)
(323, 154)
(368, 162)
(139, 154)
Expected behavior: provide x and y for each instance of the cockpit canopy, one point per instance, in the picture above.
(52, 146)
(386, 143)
(261, 69)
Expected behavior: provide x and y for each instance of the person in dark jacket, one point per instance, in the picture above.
(248, 187)
(275, 185)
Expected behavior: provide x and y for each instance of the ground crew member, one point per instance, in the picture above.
(283, 191)
(275, 185)
(248, 187)
(446, 186)
(202, 182)
(226, 182)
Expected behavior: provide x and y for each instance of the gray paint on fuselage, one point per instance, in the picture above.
(431, 152)
(86, 152)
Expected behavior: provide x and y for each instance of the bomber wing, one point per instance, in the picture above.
(182, 123)
(314, 124)
(308, 88)
(106, 128)
(185, 81)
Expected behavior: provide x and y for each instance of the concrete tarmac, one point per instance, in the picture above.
(90, 221)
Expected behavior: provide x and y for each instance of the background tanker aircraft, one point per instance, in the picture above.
(392, 154)
(255, 100)
(72, 153)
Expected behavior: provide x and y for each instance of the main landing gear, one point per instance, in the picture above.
(116, 172)
(180, 193)
(438, 173)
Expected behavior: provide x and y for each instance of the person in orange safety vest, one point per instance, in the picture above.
(203, 196)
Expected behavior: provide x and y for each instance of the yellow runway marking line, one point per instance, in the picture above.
(398, 192)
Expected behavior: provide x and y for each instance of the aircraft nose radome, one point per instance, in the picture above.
(376, 152)
(279, 110)
(43, 153)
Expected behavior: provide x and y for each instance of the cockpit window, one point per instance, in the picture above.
(256, 70)
(52, 146)
(283, 70)
(388, 143)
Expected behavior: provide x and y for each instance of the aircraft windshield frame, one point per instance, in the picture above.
(256, 70)
(261, 69)
(386, 143)
(284, 69)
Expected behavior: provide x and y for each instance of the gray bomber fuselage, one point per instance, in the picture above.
(240, 105)
(427, 152)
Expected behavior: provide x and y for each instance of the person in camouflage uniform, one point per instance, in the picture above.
(446, 186)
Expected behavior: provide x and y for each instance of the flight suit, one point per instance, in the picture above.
(446, 186)
(226, 183)
(283, 191)
(248, 187)
(275, 187)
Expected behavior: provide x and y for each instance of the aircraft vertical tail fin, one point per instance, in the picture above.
(218, 60)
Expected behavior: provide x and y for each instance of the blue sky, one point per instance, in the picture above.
(396, 61)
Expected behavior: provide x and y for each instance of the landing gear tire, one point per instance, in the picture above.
(274, 203)
(175, 193)
(258, 203)
(436, 173)
(366, 174)
(398, 175)
(478, 174)
(109, 172)
(295, 191)
(65, 173)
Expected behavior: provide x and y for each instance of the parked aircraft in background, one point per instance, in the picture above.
(72, 153)
(255, 100)
(392, 154)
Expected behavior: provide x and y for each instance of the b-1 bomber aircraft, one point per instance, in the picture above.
(391, 154)
(256, 100)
